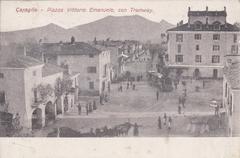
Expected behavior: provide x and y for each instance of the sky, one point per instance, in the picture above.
(171, 11)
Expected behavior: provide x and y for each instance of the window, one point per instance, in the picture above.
(179, 48)
(235, 38)
(216, 25)
(1, 75)
(35, 95)
(92, 69)
(234, 49)
(179, 58)
(34, 73)
(91, 55)
(2, 97)
(198, 58)
(198, 25)
(216, 36)
(215, 59)
(91, 85)
(179, 37)
(216, 47)
(197, 47)
(197, 36)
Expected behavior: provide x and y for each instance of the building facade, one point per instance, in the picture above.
(28, 91)
(93, 65)
(198, 47)
(231, 97)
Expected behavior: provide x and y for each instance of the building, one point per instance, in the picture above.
(93, 64)
(199, 46)
(28, 88)
(231, 97)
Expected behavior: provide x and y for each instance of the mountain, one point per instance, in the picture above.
(113, 27)
(50, 33)
(123, 28)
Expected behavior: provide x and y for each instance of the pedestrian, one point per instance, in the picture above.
(101, 99)
(134, 86)
(169, 123)
(203, 84)
(106, 97)
(157, 94)
(183, 101)
(217, 110)
(159, 123)
(179, 109)
(90, 107)
(120, 88)
(86, 107)
(175, 85)
(165, 118)
(135, 130)
(79, 109)
(127, 85)
(94, 105)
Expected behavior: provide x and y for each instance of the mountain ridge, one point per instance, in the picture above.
(132, 27)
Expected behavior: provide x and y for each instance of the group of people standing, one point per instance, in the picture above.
(129, 85)
(89, 107)
(167, 121)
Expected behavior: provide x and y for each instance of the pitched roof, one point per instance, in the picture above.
(78, 48)
(22, 62)
(207, 13)
(50, 69)
(232, 74)
(184, 27)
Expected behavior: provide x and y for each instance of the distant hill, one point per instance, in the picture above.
(113, 27)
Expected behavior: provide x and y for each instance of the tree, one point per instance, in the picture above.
(44, 91)
(62, 86)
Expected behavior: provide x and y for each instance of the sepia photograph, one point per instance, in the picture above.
(119, 69)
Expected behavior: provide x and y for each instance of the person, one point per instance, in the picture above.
(179, 109)
(217, 110)
(179, 100)
(106, 97)
(157, 94)
(169, 123)
(90, 107)
(134, 86)
(86, 107)
(101, 99)
(94, 105)
(159, 123)
(135, 130)
(79, 109)
(165, 118)
(183, 101)
(127, 85)
(120, 88)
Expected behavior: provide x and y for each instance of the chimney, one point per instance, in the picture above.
(224, 8)
(206, 8)
(189, 9)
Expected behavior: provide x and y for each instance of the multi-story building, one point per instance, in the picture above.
(28, 90)
(93, 64)
(198, 47)
(231, 97)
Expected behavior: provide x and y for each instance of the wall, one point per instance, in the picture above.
(188, 47)
(13, 85)
(79, 63)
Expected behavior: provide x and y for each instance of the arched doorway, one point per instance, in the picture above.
(196, 73)
(37, 119)
(49, 112)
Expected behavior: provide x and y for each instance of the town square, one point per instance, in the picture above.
(123, 76)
